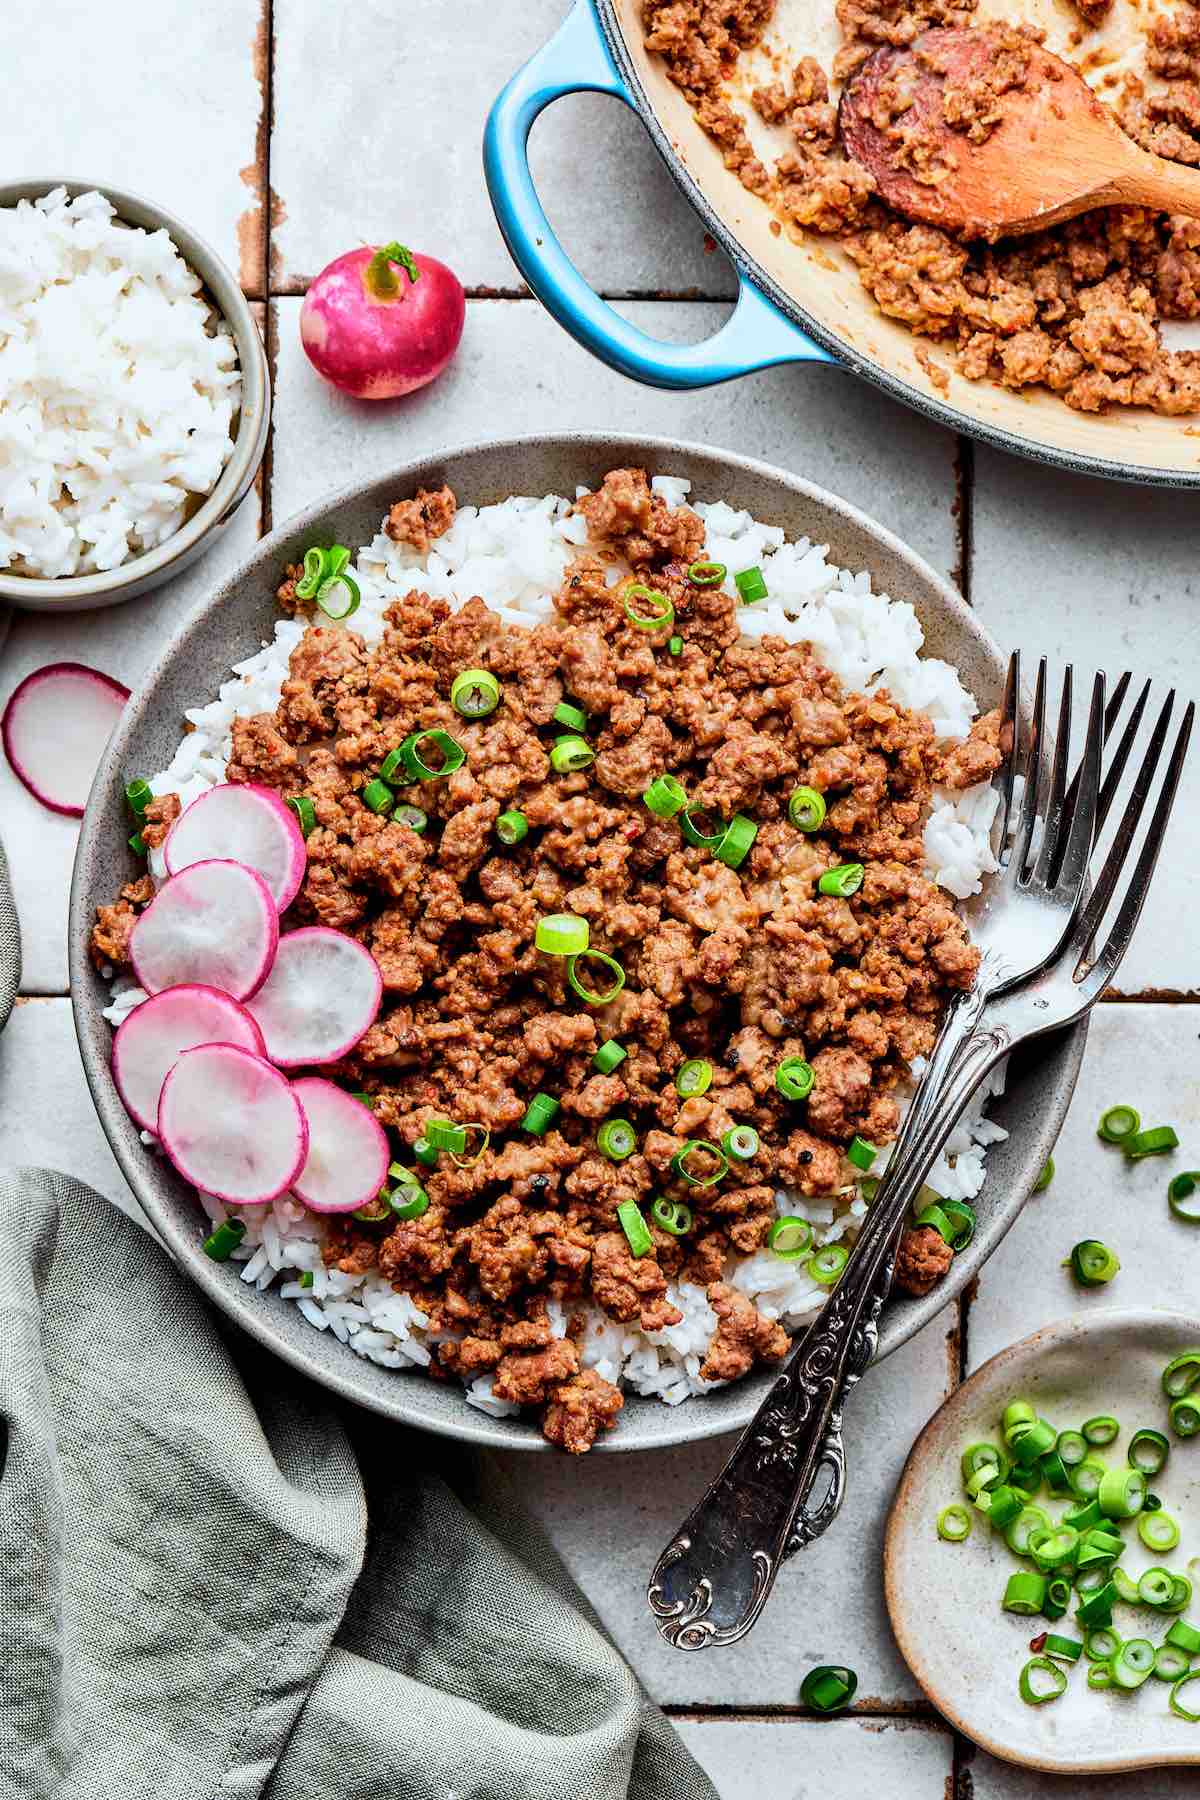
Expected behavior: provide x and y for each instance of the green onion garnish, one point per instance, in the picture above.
(672, 1216)
(338, 596)
(1072, 1447)
(138, 795)
(415, 817)
(571, 754)
(1155, 1587)
(741, 1144)
(794, 1078)
(572, 717)
(483, 1137)
(1133, 1662)
(860, 1153)
(735, 845)
(665, 797)
(377, 795)
(425, 1152)
(1170, 1663)
(408, 761)
(561, 934)
(1070, 1649)
(1158, 1531)
(512, 827)
(1185, 1418)
(1041, 1681)
(790, 1238)
(1024, 1593)
(224, 1240)
(616, 1139)
(1100, 1430)
(609, 1056)
(1121, 1494)
(1093, 1263)
(828, 1689)
(694, 833)
(1097, 1608)
(1100, 1676)
(540, 1114)
(315, 568)
(675, 646)
(137, 843)
(646, 608)
(962, 1222)
(1181, 1374)
(827, 1263)
(1117, 1124)
(475, 693)
(684, 1160)
(306, 1278)
(305, 812)
(1058, 1598)
(842, 881)
(751, 585)
(1177, 1706)
(977, 1457)
(408, 1199)
(1155, 1142)
(954, 1523)
(637, 1234)
(444, 1134)
(1180, 1190)
(1017, 1415)
(376, 1212)
(694, 1078)
(1184, 1637)
(707, 574)
(591, 995)
(1046, 1177)
(1102, 1644)
(806, 809)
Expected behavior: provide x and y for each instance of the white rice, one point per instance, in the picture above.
(514, 555)
(117, 393)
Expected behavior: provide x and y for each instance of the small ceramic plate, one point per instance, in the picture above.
(944, 1599)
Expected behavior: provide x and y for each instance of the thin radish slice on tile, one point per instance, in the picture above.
(215, 923)
(151, 1040)
(55, 727)
(245, 823)
(322, 994)
(347, 1149)
(231, 1124)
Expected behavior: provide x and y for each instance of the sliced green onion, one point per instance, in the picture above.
(1100, 1676)
(1070, 1649)
(376, 1212)
(694, 1078)
(1170, 1663)
(363, 1098)
(684, 1157)
(1185, 1418)
(425, 1152)
(305, 812)
(1158, 1531)
(408, 1199)
(224, 1240)
(306, 1278)
(741, 1144)
(1181, 1374)
(591, 995)
(483, 1135)
(790, 1238)
(1034, 1440)
(961, 1217)
(827, 1689)
(806, 809)
(415, 817)
(1024, 1593)
(561, 934)
(826, 1264)
(637, 1234)
(860, 1153)
(1153, 1503)
(707, 574)
(1117, 1124)
(138, 795)
(665, 796)
(675, 646)
(1017, 1415)
(475, 693)
(672, 1216)
(983, 1480)
(1086, 1478)
(378, 796)
(540, 1114)
(1155, 1142)
(646, 608)
(1097, 1608)
(1155, 1587)
(842, 881)
(751, 585)
(1180, 1190)
(444, 1134)
(408, 762)
(1181, 1594)
(736, 844)
(512, 827)
(1177, 1706)
(1093, 1263)
(1122, 1493)
(1097, 1575)
(1102, 1644)
(703, 840)
(338, 596)
(1053, 1548)
(1041, 1681)
(794, 1078)
(1127, 1589)
(1055, 1471)
(1133, 1662)
(137, 843)
(1184, 1637)
(616, 1139)
(1101, 1430)
(573, 717)
(337, 558)
(978, 1457)
(1046, 1177)
(316, 562)
(571, 754)
(935, 1217)
(609, 1056)
(1072, 1447)
(954, 1523)
(1027, 1481)
(1006, 1504)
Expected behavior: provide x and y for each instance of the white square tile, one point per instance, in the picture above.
(840, 1759)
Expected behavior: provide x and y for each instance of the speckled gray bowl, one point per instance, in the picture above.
(231, 624)
(204, 525)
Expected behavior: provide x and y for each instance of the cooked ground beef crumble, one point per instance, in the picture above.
(744, 968)
(1075, 309)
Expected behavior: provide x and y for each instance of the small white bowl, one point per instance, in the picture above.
(108, 587)
(944, 1599)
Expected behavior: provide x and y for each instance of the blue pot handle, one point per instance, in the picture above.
(576, 60)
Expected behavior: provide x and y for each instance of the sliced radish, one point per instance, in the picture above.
(154, 1036)
(231, 1124)
(246, 824)
(347, 1149)
(215, 923)
(320, 997)
(55, 727)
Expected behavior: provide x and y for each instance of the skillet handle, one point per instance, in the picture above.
(576, 60)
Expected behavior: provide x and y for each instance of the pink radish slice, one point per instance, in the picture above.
(231, 1124)
(322, 994)
(347, 1149)
(55, 727)
(151, 1040)
(246, 824)
(215, 923)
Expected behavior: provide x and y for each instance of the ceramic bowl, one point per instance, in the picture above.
(240, 615)
(200, 530)
(944, 1599)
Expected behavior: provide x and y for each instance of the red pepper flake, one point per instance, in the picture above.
(1038, 1643)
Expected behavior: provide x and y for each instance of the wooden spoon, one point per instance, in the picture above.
(1055, 152)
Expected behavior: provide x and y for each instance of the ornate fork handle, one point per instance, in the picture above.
(713, 1579)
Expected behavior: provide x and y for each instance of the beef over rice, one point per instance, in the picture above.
(519, 1278)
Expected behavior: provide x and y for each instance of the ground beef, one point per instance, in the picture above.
(923, 1260)
(1075, 310)
(417, 522)
(743, 968)
(159, 816)
(109, 944)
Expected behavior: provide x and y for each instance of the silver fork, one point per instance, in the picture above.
(713, 1579)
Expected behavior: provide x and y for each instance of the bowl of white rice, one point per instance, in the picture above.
(134, 395)
(876, 614)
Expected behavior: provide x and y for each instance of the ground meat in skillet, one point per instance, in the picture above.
(742, 967)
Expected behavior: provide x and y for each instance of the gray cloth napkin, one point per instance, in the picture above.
(215, 1581)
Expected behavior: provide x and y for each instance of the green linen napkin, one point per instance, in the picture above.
(215, 1581)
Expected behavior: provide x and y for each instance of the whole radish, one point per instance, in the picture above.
(379, 323)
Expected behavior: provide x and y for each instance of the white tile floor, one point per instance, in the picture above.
(391, 146)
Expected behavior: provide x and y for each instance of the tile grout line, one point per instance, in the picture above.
(296, 290)
(267, 506)
(907, 1712)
